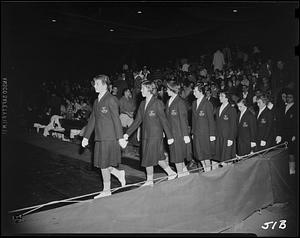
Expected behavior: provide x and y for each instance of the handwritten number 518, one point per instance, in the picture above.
(282, 225)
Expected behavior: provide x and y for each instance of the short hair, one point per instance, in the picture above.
(264, 98)
(151, 86)
(200, 87)
(244, 101)
(173, 86)
(226, 93)
(103, 78)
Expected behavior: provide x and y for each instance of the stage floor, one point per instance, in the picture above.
(38, 170)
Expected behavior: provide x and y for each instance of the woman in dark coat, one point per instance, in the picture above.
(203, 128)
(287, 129)
(265, 123)
(226, 126)
(177, 116)
(246, 129)
(105, 121)
(151, 114)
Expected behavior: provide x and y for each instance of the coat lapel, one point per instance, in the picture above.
(149, 105)
(261, 113)
(240, 120)
(175, 99)
(103, 97)
(224, 110)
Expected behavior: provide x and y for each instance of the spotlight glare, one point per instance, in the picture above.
(139, 12)
(234, 10)
(111, 30)
(53, 20)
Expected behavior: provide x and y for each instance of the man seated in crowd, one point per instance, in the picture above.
(127, 109)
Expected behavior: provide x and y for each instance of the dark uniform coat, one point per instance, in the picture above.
(105, 121)
(226, 126)
(287, 128)
(246, 132)
(265, 123)
(177, 116)
(154, 122)
(203, 126)
(216, 103)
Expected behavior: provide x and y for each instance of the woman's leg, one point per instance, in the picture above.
(149, 171)
(214, 165)
(166, 167)
(207, 165)
(119, 174)
(106, 184)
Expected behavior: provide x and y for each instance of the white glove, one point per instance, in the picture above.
(212, 138)
(253, 144)
(123, 143)
(186, 139)
(170, 141)
(278, 139)
(84, 142)
(125, 136)
(229, 142)
(262, 143)
(293, 138)
(138, 134)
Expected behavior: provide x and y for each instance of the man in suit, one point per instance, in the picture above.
(105, 121)
(265, 123)
(287, 128)
(246, 129)
(245, 94)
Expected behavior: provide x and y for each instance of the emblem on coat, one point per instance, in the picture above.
(173, 112)
(263, 121)
(151, 113)
(201, 113)
(245, 124)
(104, 110)
(226, 117)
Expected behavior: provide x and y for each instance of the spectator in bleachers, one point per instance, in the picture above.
(214, 101)
(218, 60)
(114, 90)
(280, 77)
(127, 109)
(121, 84)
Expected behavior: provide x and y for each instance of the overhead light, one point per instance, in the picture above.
(53, 20)
(234, 10)
(139, 12)
(111, 30)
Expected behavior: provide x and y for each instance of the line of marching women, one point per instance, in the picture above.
(213, 138)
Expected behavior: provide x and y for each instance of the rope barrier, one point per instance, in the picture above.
(71, 200)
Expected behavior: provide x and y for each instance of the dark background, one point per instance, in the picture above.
(79, 44)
